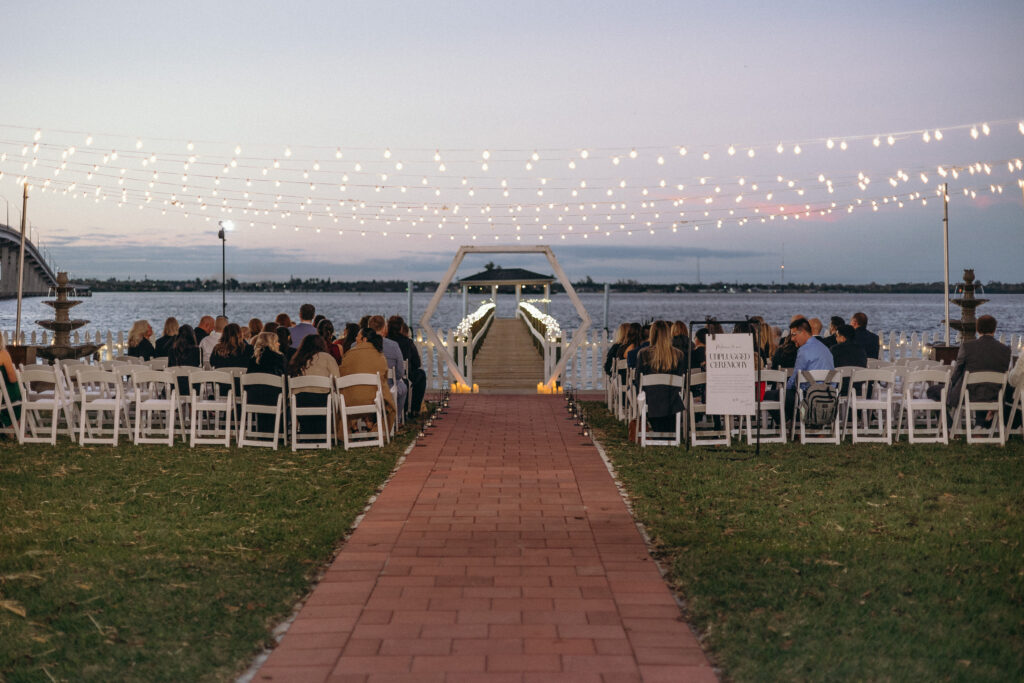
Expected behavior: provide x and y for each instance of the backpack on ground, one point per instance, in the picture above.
(821, 401)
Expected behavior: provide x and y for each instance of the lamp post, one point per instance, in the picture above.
(225, 227)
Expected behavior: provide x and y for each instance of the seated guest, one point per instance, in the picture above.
(396, 362)
(163, 345)
(265, 358)
(785, 354)
(184, 352)
(271, 327)
(984, 354)
(312, 359)
(305, 325)
(680, 336)
(255, 328)
(833, 325)
(284, 338)
(645, 333)
(1014, 386)
(811, 355)
(366, 356)
(348, 337)
(317, 319)
(816, 328)
(661, 357)
(139, 345)
(767, 341)
(864, 337)
(698, 359)
(364, 321)
(283, 320)
(231, 351)
(204, 328)
(398, 332)
(846, 351)
(212, 339)
(613, 350)
(325, 328)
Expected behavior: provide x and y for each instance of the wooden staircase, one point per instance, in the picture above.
(508, 361)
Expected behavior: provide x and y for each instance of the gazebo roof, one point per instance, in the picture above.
(507, 276)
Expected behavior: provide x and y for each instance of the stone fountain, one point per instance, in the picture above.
(965, 299)
(62, 326)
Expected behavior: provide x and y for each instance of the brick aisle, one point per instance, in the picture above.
(500, 551)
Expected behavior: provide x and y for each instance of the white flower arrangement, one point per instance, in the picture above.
(552, 331)
(465, 326)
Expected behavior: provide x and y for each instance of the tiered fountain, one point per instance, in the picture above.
(62, 326)
(968, 323)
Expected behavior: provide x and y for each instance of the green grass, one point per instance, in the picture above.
(863, 562)
(164, 564)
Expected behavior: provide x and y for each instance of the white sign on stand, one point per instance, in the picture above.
(731, 373)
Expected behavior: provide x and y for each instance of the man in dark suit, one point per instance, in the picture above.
(864, 337)
(833, 326)
(847, 352)
(984, 354)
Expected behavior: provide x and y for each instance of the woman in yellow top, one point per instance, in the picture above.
(11, 382)
(365, 356)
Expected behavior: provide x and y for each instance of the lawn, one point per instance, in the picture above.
(149, 563)
(863, 562)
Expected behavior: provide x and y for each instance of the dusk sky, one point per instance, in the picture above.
(438, 122)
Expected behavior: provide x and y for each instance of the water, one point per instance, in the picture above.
(116, 311)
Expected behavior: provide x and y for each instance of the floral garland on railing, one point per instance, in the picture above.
(472, 323)
(542, 322)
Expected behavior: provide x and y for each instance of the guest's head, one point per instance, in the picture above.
(859, 320)
(700, 338)
(326, 330)
(378, 324)
(140, 330)
(230, 341)
(284, 337)
(206, 323)
(621, 332)
(800, 331)
(265, 341)
(306, 313)
(679, 329)
(220, 323)
(633, 335)
(348, 337)
(283, 320)
(395, 324)
(986, 325)
(171, 327)
(834, 323)
(742, 327)
(363, 321)
(255, 327)
(271, 327)
(317, 319)
(369, 336)
(310, 345)
(185, 339)
(845, 333)
(815, 326)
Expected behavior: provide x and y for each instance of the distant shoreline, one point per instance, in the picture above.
(628, 286)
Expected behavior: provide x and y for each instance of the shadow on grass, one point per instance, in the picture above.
(864, 562)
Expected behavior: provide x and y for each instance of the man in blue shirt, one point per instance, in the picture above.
(811, 355)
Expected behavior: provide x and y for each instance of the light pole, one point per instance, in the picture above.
(225, 227)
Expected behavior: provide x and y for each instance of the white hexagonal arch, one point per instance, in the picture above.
(577, 338)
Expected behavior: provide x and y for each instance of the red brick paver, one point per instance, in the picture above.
(501, 550)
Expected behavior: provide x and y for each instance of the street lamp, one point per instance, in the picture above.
(225, 227)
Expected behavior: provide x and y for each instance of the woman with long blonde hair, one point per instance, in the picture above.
(139, 345)
(661, 357)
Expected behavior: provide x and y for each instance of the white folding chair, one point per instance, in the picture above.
(155, 395)
(619, 372)
(213, 407)
(41, 395)
(158, 363)
(314, 387)
(375, 410)
(774, 380)
(249, 433)
(1015, 408)
(651, 438)
(181, 373)
(996, 432)
(11, 406)
(708, 435)
(871, 418)
(931, 426)
(99, 393)
(828, 434)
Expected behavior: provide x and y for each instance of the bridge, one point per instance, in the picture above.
(39, 276)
